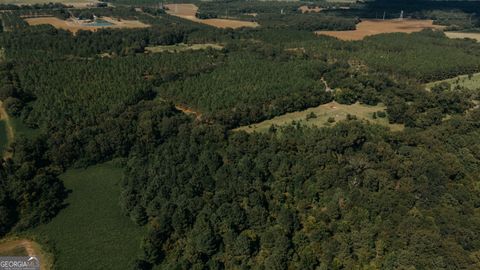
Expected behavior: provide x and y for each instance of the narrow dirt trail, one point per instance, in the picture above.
(8, 125)
(188, 111)
(327, 88)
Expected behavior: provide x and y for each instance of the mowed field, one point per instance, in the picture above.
(74, 25)
(188, 11)
(461, 35)
(374, 27)
(92, 232)
(322, 113)
(466, 81)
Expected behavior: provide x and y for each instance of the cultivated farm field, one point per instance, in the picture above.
(188, 11)
(322, 113)
(75, 25)
(375, 27)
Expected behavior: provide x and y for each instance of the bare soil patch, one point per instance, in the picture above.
(307, 9)
(375, 27)
(25, 247)
(76, 25)
(188, 11)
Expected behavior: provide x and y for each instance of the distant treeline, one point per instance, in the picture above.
(354, 195)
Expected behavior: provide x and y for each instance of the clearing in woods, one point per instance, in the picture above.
(74, 25)
(181, 47)
(92, 232)
(6, 132)
(467, 81)
(24, 247)
(188, 11)
(461, 35)
(375, 27)
(319, 116)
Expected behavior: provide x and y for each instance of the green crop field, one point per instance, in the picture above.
(91, 232)
(322, 113)
(466, 81)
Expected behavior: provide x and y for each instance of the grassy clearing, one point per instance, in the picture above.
(322, 114)
(92, 232)
(466, 81)
(462, 35)
(182, 47)
(20, 129)
(6, 132)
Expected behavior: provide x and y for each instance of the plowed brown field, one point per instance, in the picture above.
(375, 27)
(74, 25)
(188, 11)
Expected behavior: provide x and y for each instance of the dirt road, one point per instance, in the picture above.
(11, 247)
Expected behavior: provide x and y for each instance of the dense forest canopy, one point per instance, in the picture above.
(351, 196)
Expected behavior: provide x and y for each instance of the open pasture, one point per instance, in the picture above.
(6, 132)
(188, 11)
(374, 27)
(76, 25)
(470, 82)
(461, 35)
(322, 114)
(92, 230)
